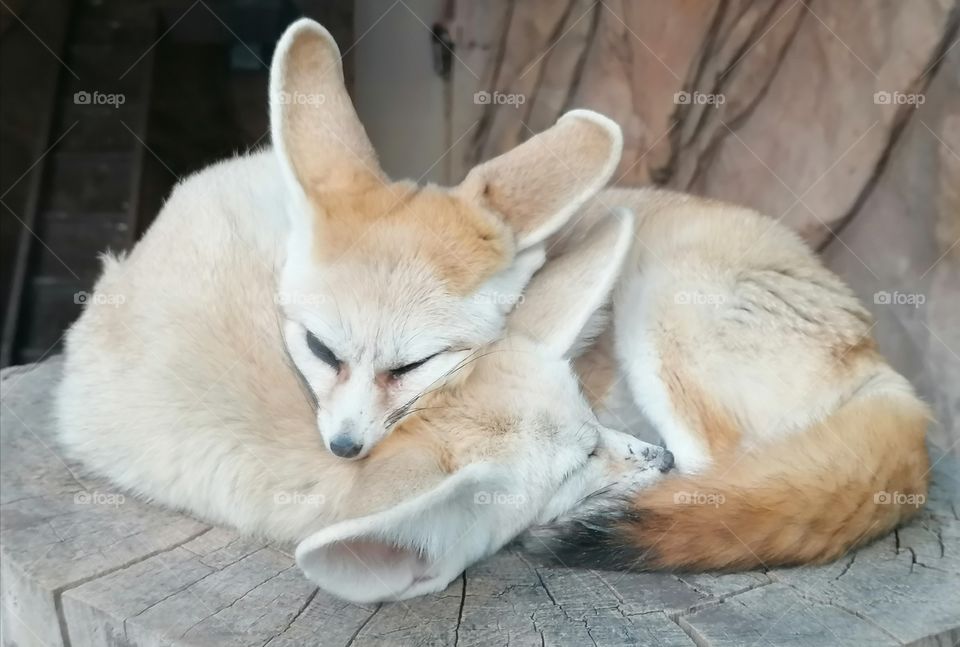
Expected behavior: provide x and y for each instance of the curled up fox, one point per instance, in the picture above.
(402, 379)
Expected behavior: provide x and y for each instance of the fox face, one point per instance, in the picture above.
(514, 440)
(387, 287)
(380, 335)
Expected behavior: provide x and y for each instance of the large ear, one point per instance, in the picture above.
(505, 288)
(314, 126)
(570, 288)
(414, 548)
(540, 184)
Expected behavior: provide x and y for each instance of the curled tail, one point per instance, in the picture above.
(808, 498)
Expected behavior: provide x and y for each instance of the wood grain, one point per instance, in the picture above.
(86, 565)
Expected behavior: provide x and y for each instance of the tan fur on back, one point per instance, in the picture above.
(756, 365)
(597, 369)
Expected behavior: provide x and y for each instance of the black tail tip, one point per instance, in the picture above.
(593, 542)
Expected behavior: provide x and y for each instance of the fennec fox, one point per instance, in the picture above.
(794, 440)
(206, 415)
(383, 287)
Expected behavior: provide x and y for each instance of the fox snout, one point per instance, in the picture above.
(346, 442)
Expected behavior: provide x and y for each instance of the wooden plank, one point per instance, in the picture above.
(49, 19)
(75, 238)
(84, 560)
(508, 599)
(59, 528)
(139, 127)
(778, 615)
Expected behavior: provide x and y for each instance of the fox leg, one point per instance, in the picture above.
(658, 359)
(690, 449)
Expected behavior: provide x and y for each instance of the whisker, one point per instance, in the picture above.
(419, 409)
(403, 410)
(400, 411)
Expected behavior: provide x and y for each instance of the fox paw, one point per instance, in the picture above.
(628, 457)
(618, 466)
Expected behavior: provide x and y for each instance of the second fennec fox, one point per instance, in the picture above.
(794, 439)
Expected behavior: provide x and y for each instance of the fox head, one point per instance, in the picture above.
(509, 444)
(388, 286)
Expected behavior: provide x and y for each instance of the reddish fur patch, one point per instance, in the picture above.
(848, 355)
(696, 407)
(464, 244)
(597, 370)
(420, 433)
(807, 499)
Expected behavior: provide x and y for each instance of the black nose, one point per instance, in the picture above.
(666, 461)
(345, 447)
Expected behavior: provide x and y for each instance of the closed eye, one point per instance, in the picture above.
(403, 370)
(320, 350)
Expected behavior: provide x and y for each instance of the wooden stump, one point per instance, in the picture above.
(84, 564)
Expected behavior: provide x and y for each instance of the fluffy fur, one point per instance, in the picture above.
(379, 275)
(185, 395)
(201, 391)
(794, 439)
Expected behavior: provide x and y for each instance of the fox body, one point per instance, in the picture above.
(297, 288)
(793, 437)
(186, 396)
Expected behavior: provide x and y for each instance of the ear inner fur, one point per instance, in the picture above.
(314, 120)
(539, 184)
(562, 298)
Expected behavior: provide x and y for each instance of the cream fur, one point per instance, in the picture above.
(756, 366)
(185, 395)
(202, 391)
(190, 392)
(757, 334)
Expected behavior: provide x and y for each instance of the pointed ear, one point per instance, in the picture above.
(564, 295)
(540, 184)
(314, 126)
(411, 549)
(505, 288)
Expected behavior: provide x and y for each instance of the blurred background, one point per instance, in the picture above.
(841, 119)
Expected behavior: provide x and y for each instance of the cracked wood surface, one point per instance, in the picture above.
(84, 565)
